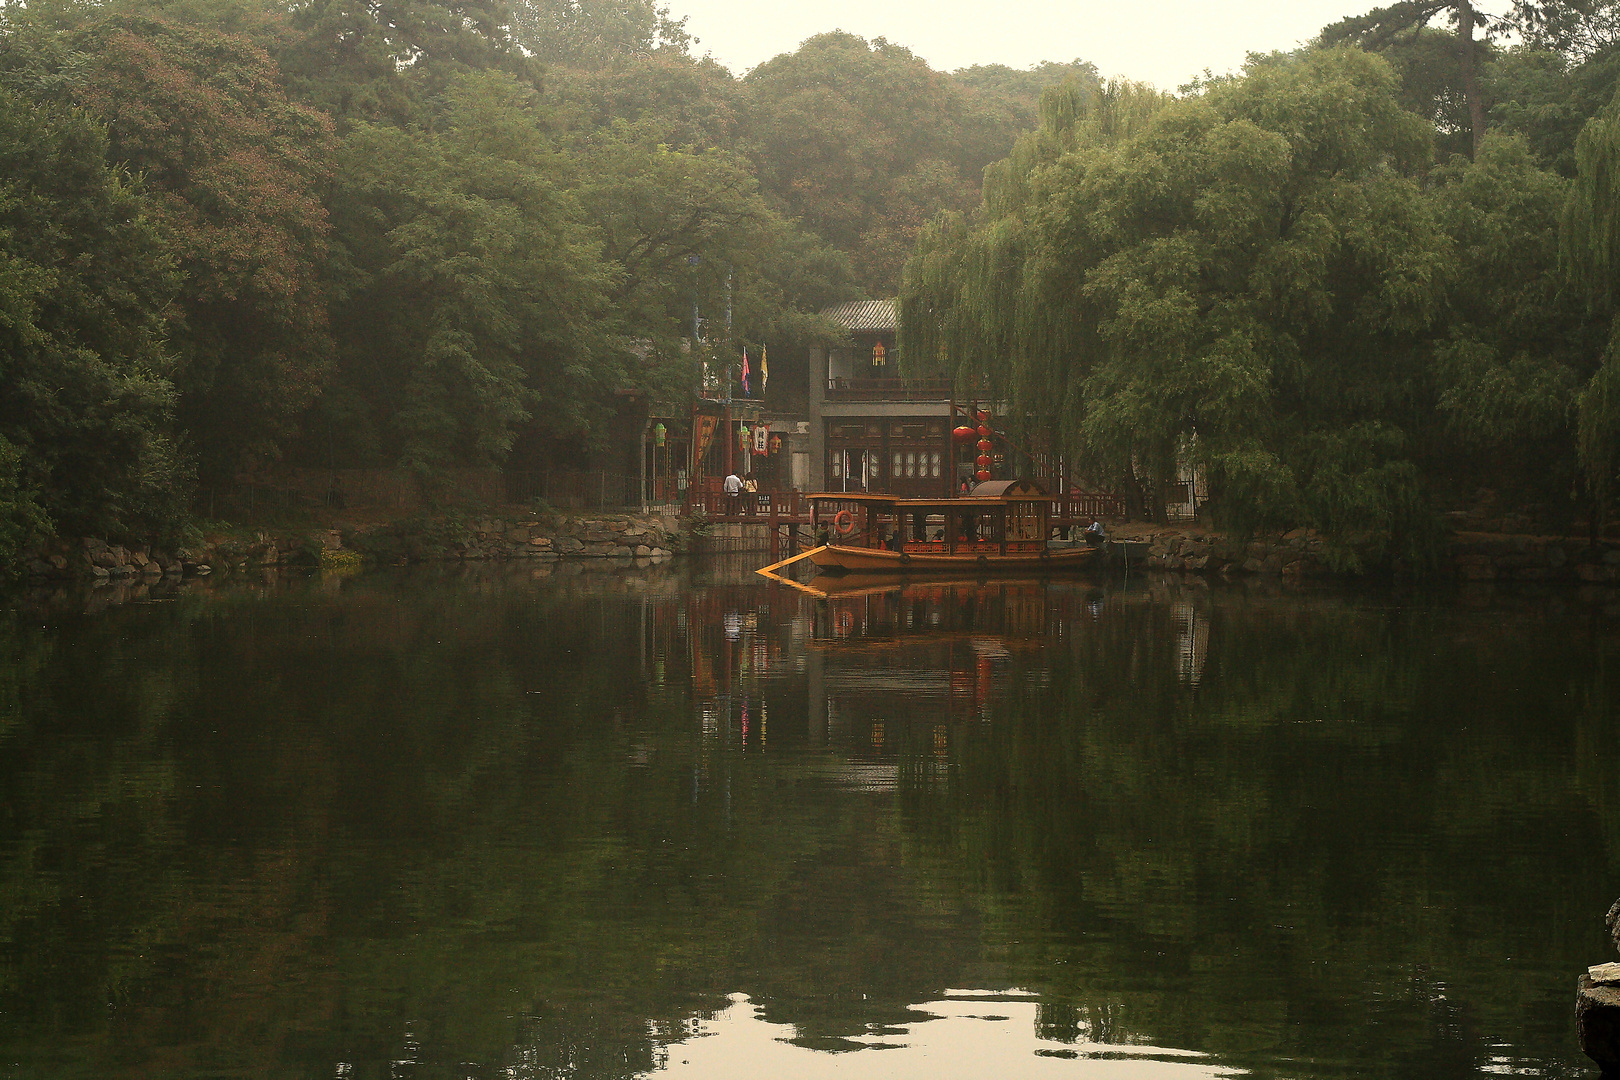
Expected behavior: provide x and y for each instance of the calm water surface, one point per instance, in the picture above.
(447, 825)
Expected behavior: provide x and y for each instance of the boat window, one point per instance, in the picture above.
(886, 532)
(1024, 521)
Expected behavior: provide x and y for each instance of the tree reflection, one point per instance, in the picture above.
(496, 823)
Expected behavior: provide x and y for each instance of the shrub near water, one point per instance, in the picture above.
(341, 559)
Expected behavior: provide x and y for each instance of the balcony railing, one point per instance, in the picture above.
(861, 389)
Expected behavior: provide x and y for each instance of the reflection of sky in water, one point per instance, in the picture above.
(965, 1036)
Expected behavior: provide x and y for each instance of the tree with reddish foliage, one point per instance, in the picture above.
(233, 171)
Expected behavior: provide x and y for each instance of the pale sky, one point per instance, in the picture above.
(1164, 42)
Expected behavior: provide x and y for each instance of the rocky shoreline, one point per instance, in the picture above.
(631, 538)
(1468, 557)
(637, 539)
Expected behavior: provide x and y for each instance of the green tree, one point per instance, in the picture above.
(85, 285)
(1245, 277)
(587, 34)
(1518, 343)
(848, 135)
(379, 61)
(1590, 247)
(472, 289)
(235, 172)
(1440, 73)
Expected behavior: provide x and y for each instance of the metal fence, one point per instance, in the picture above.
(574, 489)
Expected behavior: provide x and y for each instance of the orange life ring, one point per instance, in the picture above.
(844, 522)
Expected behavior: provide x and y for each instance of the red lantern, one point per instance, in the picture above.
(984, 417)
(963, 434)
(984, 431)
(776, 444)
(983, 462)
(982, 475)
(984, 446)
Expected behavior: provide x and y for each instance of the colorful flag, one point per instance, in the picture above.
(764, 370)
(745, 372)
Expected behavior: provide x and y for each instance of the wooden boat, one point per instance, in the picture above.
(1000, 527)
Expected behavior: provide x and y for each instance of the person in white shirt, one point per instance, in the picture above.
(733, 488)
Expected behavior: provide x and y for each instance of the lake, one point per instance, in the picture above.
(490, 822)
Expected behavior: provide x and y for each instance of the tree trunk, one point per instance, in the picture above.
(1465, 60)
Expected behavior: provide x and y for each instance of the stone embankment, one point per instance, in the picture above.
(1301, 553)
(630, 538)
(1297, 553)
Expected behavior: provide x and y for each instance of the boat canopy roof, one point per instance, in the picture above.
(1008, 489)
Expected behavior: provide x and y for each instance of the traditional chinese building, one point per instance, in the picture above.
(870, 428)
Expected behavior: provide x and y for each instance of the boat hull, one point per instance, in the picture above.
(836, 558)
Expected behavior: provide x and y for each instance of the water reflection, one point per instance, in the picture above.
(499, 824)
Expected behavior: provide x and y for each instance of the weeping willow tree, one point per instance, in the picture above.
(981, 294)
(1591, 248)
(1247, 275)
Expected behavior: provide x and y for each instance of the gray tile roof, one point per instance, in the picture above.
(870, 316)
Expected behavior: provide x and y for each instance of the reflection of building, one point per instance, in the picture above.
(871, 429)
(1192, 641)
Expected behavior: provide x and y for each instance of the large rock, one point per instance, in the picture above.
(1597, 1023)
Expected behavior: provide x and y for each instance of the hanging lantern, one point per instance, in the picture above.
(983, 462)
(963, 434)
(984, 417)
(984, 431)
(659, 432)
(776, 444)
(984, 446)
(982, 475)
(744, 439)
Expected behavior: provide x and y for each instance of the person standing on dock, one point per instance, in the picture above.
(733, 487)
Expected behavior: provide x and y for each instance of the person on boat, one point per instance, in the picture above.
(919, 526)
(1095, 537)
(894, 539)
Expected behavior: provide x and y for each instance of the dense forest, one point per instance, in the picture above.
(1356, 283)
(235, 232)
